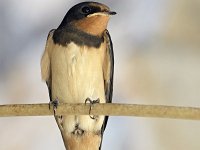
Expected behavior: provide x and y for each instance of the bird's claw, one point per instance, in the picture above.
(92, 102)
(55, 104)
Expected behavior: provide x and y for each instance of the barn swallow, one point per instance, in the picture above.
(78, 65)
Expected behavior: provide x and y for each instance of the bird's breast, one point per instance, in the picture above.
(77, 73)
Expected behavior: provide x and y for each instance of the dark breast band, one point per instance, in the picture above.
(65, 35)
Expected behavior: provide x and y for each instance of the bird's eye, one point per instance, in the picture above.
(86, 10)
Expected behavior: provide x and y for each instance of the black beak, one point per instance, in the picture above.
(112, 13)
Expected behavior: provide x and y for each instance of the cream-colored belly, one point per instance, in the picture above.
(76, 75)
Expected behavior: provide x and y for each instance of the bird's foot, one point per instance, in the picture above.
(92, 102)
(55, 104)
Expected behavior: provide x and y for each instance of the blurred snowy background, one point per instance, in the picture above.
(157, 61)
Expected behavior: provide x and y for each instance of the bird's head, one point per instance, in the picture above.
(89, 17)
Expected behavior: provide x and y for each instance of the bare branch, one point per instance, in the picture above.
(160, 111)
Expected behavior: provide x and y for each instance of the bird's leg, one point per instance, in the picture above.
(55, 104)
(59, 118)
(92, 102)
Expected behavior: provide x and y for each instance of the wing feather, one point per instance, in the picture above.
(46, 63)
(108, 68)
(108, 72)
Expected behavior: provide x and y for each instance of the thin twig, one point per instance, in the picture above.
(160, 111)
